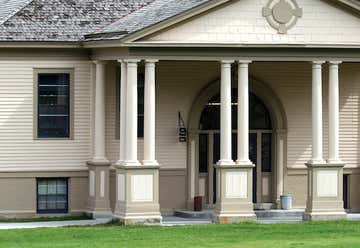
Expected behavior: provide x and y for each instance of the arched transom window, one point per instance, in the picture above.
(259, 115)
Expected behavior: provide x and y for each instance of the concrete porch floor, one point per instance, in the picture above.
(184, 217)
(263, 216)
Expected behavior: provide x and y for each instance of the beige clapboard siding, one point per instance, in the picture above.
(17, 145)
(241, 22)
(179, 83)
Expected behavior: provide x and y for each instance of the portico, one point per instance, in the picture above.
(137, 182)
(235, 166)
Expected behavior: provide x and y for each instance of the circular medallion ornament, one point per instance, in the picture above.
(282, 14)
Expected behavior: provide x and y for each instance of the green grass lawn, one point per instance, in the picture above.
(316, 234)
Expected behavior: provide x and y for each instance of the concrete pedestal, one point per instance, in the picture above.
(234, 193)
(99, 197)
(137, 192)
(325, 192)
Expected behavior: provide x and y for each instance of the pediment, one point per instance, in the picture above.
(305, 22)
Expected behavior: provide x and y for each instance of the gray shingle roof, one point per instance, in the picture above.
(9, 7)
(71, 20)
(153, 13)
(62, 20)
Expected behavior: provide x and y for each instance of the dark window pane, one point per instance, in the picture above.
(259, 115)
(234, 147)
(216, 155)
(253, 147)
(141, 81)
(52, 195)
(203, 153)
(140, 126)
(266, 152)
(53, 105)
(53, 126)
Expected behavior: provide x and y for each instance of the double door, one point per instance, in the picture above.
(260, 153)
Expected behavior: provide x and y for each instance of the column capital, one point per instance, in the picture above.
(131, 61)
(318, 62)
(151, 61)
(240, 62)
(226, 61)
(99, 62)
(335, 62)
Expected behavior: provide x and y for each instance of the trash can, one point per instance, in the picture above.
(286, 202)
(198, 203)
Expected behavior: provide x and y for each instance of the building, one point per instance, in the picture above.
(131, 108)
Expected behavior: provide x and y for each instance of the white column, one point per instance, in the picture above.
(334, 112)
(317, 124)
(131, 113)
(149, 114)
(123, 82)
(243, 113)
(225, 114)
(99, 128)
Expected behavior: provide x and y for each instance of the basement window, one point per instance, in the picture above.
(52, 195)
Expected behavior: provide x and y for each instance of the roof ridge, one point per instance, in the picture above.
(13, 12)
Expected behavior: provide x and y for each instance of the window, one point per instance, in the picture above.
(53, 104)
(52, 195)
(259, 116)
(141, 83)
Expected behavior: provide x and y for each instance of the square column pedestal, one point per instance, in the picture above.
(234, 193)
(99, 184)
(325, 192)
(137, 192)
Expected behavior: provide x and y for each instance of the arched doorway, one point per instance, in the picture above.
(267, 141)
(260, 145)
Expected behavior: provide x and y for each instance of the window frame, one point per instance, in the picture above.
(36, 72)
(52, 211)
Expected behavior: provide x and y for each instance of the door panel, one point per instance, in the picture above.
(253, 158)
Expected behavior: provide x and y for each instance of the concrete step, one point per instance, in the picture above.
(205, 214)
(280, 214)
(178, 221)
(279, 220)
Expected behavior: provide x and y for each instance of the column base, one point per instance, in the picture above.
(324, 216)
(99, 214)
(137, 195)
(138, 219)
(234, 201)
(235, 218)
(325, 192)
(98, 205)
(236, 212)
